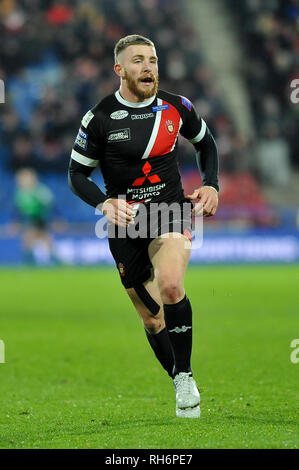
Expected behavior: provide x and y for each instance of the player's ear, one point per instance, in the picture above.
(119, 70)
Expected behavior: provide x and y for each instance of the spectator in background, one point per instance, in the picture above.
(273, 157)
(22, 152)
(270, 37)
(33, 203)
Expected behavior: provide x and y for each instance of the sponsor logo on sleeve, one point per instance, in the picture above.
(87, 118)
(81, 139)
(120, 135)
(120, 114)
(186, 102)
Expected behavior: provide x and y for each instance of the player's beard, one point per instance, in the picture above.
(135, 87)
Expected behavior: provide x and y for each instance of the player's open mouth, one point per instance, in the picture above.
(147, 81)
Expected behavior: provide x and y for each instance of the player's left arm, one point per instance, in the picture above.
(208, 165)
(198, 133)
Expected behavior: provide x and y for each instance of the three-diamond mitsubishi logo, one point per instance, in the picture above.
(146, 170)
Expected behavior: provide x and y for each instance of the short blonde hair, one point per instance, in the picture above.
(130, 40)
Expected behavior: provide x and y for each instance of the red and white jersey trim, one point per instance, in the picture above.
(154, 131)
(165, 131)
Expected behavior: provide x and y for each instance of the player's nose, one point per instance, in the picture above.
(147, 67)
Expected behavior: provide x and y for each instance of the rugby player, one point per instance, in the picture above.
(132, 135)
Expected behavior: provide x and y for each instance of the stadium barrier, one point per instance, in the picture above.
(255, 246)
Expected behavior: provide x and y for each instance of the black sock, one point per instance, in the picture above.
(162, 348)
(178, 319)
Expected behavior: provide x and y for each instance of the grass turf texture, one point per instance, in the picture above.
(80, 374)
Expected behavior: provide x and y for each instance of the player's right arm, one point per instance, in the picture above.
(84, 159)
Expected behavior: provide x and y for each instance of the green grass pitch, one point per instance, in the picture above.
(79, 373)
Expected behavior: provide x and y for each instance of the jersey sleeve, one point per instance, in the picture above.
(193, 127)
(85, 156)
(88, 145)
(196, 131)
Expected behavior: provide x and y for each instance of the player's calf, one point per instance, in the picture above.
(154, 326)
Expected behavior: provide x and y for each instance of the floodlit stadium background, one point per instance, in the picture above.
(238, 63)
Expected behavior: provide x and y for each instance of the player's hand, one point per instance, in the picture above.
(118, 211)
(208, 201)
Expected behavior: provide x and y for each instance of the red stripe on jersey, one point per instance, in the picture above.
(168, 131)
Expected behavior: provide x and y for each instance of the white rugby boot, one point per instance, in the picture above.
(187, 396)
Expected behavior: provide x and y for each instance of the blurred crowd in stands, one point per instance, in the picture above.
(270, 36)
(56, 60)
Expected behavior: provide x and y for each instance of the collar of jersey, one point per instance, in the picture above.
(134, 105)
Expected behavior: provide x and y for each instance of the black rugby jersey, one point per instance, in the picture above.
(135, 144)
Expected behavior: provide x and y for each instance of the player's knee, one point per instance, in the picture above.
(172, 290)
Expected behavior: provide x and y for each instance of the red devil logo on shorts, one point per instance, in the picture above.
(121, 269)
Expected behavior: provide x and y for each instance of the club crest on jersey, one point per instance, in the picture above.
(121, 269)
(169, 126)
(120, 114)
